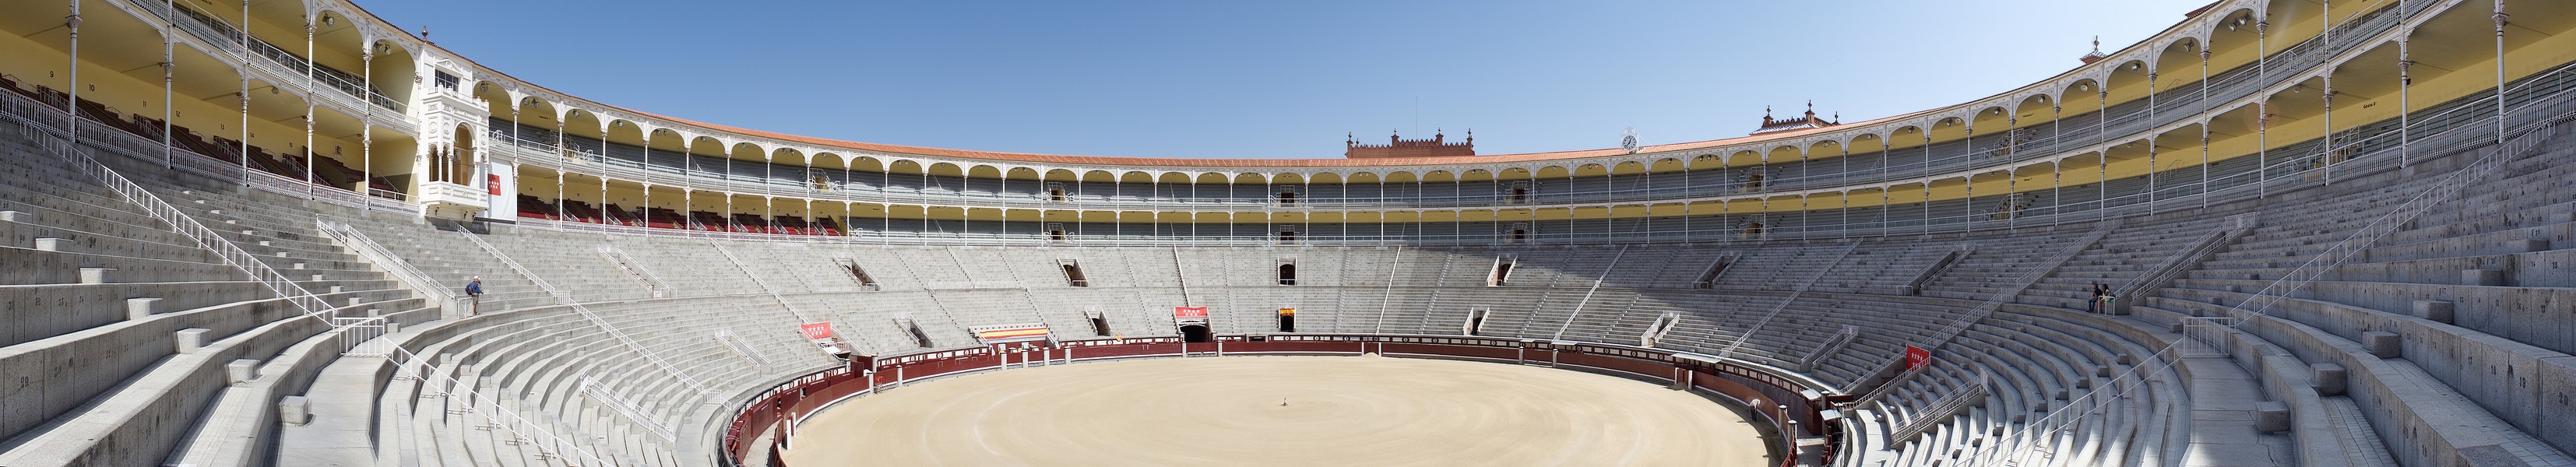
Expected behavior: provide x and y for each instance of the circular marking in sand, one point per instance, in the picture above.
(1341, 411)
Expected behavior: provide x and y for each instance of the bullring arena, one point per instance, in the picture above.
(1281, 411)
(2276, 233)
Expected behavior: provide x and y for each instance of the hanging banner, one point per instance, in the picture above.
(822, 336)
(816, 331)
(1189, 312)
(1916, 358)
(1010, 333)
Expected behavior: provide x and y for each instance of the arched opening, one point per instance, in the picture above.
(454, 163)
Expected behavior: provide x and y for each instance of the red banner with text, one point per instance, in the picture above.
(1916, 358)
(816, 331)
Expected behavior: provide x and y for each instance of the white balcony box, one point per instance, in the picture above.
(451, 201)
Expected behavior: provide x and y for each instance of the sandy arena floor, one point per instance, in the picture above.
(1341, 411)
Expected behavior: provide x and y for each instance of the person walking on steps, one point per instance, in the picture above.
(474, 293)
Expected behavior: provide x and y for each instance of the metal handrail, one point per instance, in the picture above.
(57, 142)
(2490, 160)
(2027, 280)
(565, 298)
(1587, 293)
(1941, 411)
(358, 242)
(2174, 266)
(1987, 309)
(634, 412)
(763, 283)
(636, 270)
(1740, 338)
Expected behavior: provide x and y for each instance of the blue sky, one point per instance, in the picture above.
(1209, 79)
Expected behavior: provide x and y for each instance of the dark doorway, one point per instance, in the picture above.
(1196, 333)
(1073, 275)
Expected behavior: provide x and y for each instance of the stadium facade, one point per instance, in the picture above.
(2326, 229)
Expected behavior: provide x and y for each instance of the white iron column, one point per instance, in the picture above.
(2500, 19)
(367, 123)
(2405, 124)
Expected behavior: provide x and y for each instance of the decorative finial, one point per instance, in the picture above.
(2097, 45)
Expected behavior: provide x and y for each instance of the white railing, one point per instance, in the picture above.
(726, 336)
(1729, 350)
(358, 242)
(2023, 283)
(2174, 266)
(1587, 293)
(1832, 346)
(801, 316)
(1986, 309)
(636, 270)
(566, 299)
(2488, 161)
(1394, 264)
(1933, 415)
(54, 140)
(359, 337)
(634, 413)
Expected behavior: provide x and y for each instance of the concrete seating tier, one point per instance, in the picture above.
(2448, 321)
(131, 339)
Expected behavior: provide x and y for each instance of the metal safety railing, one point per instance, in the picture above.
(1983, 310)
(1588, 292)
(2513, 143)
(781, 298)
(357, 242)
(634, 413)
(1801, 289)
(566, 299)
(57, 141)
